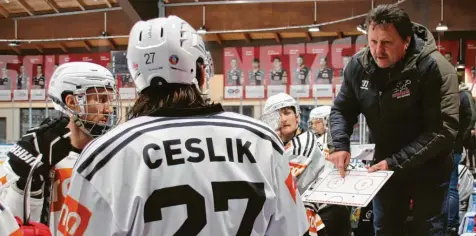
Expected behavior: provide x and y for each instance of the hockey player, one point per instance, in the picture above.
(306, 155)
(256, 75)
(181, 166)
(39, 79)
(8, 223)
(278, 76)
(234, 75)
(85, 92)
(318, 118)
(301, 75)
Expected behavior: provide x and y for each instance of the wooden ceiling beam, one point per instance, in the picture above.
(26, 7)
(112, 44)
(218, 38)
(63, 47)
(81, 4)
(39, 48)
(53, 5)
(247, 37)
(16, 49)
(308, 36)
(277, 37)
(87, 45)
(108, 3)
(4, 12)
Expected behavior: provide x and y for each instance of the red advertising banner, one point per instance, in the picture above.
(254, 74)
(276, 67)
(449, 49)
(32, 69)
(27, 77)
(322, 72)
(470, 62)
(360, 42)
(233, 73)
(342, 50)
(299, 64)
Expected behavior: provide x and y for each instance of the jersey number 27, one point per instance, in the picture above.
(196, 209)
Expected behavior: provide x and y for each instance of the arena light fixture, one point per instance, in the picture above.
(202, 30)
(14, 44)
(362, 29)
(314, 28)
(441, 26)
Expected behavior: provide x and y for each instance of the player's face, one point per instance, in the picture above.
(4, 72)
(386, 45)
(277, 64)
(289, 124)
(318, 126)
(39, 69)
(323, 62)
(299, 61)
(255, 65)
(22, 69)
(448, 57)
(233, 64)
(99, 105)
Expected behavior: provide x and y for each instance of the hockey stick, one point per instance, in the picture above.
(27, 191)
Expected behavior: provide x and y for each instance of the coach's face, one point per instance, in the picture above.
(386, 45)
(289, 123)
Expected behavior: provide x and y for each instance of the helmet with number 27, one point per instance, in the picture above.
(168, 49)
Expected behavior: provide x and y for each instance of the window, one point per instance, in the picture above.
(247, 110)
(3, 130)
(37, 116)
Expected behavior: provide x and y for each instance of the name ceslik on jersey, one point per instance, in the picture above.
(175, 147)
(24, 155)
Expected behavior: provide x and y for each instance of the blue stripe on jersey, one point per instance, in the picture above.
(107, 143)
(138, 133)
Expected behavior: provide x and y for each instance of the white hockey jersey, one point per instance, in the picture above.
(306, 154)
(217, 174)
(8, 224)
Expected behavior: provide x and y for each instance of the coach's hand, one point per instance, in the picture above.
(340, 159)
(383, 165)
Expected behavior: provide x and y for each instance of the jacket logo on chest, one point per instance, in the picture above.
(401, 89)
(365, 84)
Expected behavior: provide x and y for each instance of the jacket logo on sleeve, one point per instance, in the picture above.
(74, 218)
(401, 89)
(365, 84)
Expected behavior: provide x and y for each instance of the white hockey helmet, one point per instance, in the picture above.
(278, 101)
(76, 78)
(167, 48)
(321, 112)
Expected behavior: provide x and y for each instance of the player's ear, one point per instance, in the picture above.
(70, 101)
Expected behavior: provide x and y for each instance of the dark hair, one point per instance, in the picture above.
(256, 60)
(169, 95)
(301, 56)
(391, 14)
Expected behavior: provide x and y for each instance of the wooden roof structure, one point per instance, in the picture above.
(68, 26)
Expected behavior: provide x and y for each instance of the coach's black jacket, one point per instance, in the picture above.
(411, 109)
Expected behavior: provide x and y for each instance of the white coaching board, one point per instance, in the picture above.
(357, 188)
